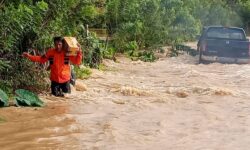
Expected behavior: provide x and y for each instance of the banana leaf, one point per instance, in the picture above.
(27, 98)
(4, 99)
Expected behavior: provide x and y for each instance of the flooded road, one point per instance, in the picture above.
(173, 104)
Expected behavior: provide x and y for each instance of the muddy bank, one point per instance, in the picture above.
(174, 103)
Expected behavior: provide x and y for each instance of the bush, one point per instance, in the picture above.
(147, 56)
(82, 73)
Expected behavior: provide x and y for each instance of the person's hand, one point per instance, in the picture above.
(25, 54)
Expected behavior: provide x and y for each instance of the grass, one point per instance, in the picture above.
(82, 73)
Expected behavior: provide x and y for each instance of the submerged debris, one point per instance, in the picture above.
(131, 91)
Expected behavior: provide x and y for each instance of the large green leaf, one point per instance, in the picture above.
(4, 100)
(27, 98)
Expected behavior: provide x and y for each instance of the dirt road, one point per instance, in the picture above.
(171, 104)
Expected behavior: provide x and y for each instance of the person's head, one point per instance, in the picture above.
(58, 42)
(64, 45)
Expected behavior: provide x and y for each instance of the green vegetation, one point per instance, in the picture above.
(4, 99)
(137, 27)
(27, 98)
(23, 98)
(82, 73)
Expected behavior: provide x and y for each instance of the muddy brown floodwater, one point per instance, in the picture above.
(171, 104)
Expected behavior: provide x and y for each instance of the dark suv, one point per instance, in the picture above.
(223, 44)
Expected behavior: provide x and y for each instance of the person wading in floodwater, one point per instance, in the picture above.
(59, 65)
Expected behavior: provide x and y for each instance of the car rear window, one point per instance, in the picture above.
(226, 33)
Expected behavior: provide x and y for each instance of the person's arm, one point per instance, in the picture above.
(40, 59)
(77, 60)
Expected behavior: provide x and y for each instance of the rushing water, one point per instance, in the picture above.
(172, 104)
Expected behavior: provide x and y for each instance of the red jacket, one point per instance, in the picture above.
(59, 64)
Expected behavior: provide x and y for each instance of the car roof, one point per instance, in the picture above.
(207, 27)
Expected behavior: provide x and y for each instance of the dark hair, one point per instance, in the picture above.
(58, 39)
